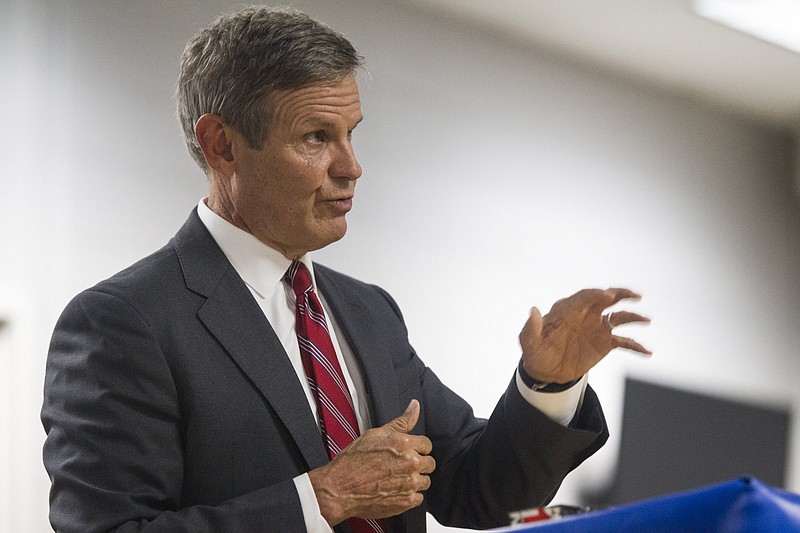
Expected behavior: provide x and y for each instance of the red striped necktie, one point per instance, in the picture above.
(337, 419)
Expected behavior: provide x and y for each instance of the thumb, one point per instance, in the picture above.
(531, 333)
(406, 422)
(536, 322)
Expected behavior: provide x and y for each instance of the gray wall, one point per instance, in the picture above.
(496, 178)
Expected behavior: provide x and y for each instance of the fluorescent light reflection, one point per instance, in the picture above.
(776, 21)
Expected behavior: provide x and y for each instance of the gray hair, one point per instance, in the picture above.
(232, 67)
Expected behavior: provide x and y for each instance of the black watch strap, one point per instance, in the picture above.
(541, 386)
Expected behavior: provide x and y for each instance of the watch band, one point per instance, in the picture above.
(543, 386)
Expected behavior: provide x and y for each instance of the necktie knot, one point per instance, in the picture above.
(299, 278)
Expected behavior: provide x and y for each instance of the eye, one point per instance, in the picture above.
(316, 136)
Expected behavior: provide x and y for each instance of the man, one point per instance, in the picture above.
(228, 383)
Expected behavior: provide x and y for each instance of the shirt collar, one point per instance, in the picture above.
(259, 266)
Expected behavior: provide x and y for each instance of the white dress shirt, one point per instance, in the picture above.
(262, 269)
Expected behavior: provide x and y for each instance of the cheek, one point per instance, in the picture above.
(305, 183)
(291, 200)
(288, 188)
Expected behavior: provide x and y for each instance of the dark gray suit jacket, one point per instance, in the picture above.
(171, 406)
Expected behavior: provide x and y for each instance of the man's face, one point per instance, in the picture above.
(294, 193)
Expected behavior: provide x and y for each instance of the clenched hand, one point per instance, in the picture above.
(380, 474)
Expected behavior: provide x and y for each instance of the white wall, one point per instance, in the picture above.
(483, 162)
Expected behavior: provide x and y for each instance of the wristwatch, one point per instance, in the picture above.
(542, 386)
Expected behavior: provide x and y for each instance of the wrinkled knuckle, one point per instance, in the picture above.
(398, 440)
(415, 461)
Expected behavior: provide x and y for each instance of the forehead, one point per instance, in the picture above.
(318, 103)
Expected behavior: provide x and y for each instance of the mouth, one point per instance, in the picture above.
(344, 204)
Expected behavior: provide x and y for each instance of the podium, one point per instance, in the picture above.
(738, 506)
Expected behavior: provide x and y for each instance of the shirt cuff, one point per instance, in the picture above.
(315, 523)
(560, 407)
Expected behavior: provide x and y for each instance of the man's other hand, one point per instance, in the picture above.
(575, 335)
(380, 474)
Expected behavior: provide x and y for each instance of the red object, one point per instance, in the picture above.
(544, 513)
(530, 515)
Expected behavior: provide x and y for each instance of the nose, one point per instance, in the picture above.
(345, 165)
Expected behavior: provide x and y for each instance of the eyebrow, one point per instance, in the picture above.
(318, 122)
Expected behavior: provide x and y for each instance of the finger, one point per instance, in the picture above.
(424, 483)
(421, 444)
(535, 324)
(619, 318)
(427, 465)
(630, 344)
(601, 299)
(618, 294)
(406, 422)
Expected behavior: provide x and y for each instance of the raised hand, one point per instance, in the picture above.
(575, 335)
(380, 474)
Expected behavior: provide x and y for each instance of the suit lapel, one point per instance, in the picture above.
(231, 314)
(363, 334)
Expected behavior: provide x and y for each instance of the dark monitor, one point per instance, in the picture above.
(674, 440)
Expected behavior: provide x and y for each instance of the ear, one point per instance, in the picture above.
(215, 139)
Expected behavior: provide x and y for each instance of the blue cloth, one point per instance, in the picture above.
(738, 506)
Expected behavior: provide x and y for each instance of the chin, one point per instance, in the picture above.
(337, 230)
(329, 237)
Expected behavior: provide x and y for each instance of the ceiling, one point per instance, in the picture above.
(660, 42)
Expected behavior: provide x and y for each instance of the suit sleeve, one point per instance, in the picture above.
(114, 446)
(515, 460)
